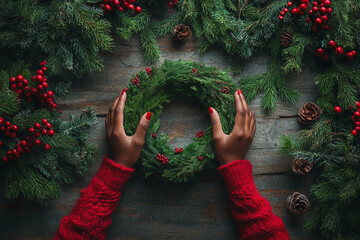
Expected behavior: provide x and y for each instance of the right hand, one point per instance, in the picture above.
(234, 146)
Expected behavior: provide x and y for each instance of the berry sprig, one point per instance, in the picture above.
(118, 5)
(20, 85)
(136, 81)
(172, 3)
(225, 90)
(162, 159)
(199, 134)
(7, 129)
(194, 70)
(356, 119)
(318, 12)
(148, 71)
(24, 145)
(179, 150)
(200, 158)
(339, 51)
(154, 135)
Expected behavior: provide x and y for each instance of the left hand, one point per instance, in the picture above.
(125, 150)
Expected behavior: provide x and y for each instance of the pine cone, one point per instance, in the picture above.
(309, 113)
(181, 32)
(286, 39)
(297, 203)
(301, 166)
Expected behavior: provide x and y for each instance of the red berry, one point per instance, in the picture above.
(201, 158)
(48, 126)
(39, 72)
(282, 13)
(305, 1)
(285, 10)
(23, 143)
(318, 21)
(0, 143)
(138, 9)
(14, 128)
(337, 109)
(45, 85)
(116, 2)
(325, 27)
(319, 52)
(31, 130)
(51, 132)
(327, 3)
(107, 7)
(39, 78)
(353, 52)
(44, 121)
(13, 86)
(12, 80)
(43, 131)
(331, 44)
(40, 87)
(350, 56)
(329, 10)
(47, 147)
(339, 51)
(281, 18)
(50, 94)
(303, 6)
(120, 9)
(26, 82)
(326, 57)
(44, 69)
(315, 9)
(37, 134)
(323, 10)
(289, 4)
(357, 114)
(170, 4)
(20, 78)
(324, 18)
(294, 11)
(131, 7)
(357, 128)
(37, 142)
(5, 159)
(37, 125)
(357, 103)
(354, 132)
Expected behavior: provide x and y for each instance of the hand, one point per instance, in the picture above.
(234, 146)
(125, 150)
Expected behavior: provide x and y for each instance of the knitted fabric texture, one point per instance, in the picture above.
(254, 217)
(91, 216)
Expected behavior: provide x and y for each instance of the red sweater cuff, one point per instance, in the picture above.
(111, 175)
(237, 174)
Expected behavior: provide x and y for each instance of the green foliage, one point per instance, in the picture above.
(336, 193)
(165, 83)
(39, 175)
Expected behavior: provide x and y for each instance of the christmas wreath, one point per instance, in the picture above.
(151, 89)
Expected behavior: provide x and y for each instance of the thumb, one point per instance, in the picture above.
(142, 127)
(216, 124)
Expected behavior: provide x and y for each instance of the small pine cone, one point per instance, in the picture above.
(297, 203)
(309, 113)
(181, 32)
(301, 166)
(286, 39)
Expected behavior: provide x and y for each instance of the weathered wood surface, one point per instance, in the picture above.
(199, 210)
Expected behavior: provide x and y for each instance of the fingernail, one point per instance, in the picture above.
(125, 89)
(148, 115)
(238, 91)
(211, 110)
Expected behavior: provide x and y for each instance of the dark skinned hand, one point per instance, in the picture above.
(125, 150)
(234, 146)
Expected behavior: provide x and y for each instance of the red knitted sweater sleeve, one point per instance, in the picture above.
(91, 216)
(252, 212)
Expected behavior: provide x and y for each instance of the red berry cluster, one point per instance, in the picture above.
(24, 146)
(339, 51)
(199, 134)
(225, 90)
(148, 70)
(161, 158)
(201, 158)
(7, 129)
(136, 81)
(356, 119)
(318, 13)
(179, 150)
(194, 70)
(20, 86)
(172, 3)
(113, 5)
(154, 135)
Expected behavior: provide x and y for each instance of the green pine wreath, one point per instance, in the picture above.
(151, 89)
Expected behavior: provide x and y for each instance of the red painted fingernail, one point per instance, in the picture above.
(125, 89)
(211, 110)
(148, 115)
(238, 91)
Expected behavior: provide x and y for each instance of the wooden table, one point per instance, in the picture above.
(199, 210)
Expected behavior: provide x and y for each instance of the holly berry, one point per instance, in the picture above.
(337, 110)
(281, 18)
(201, 158)
(37, 125)
(47, 147)
(37, 142)
(294, 11)
(20, 78)
(329, 10)
(339, 51)
(154, 135)
(131, 7)
(43, 131)
(48, 125)
(323, 10)
(107, 7)
(353, 52)
(319, 52)
(357, 103)
(327, 3)
(23, 143)
(326, 57)
(289, 4)
(350, 56)
(318, 21)
(51, 132)
(303, 6)
(331, 44)
(354, 132)
(138, 9)
(44, 121)
(357, 114)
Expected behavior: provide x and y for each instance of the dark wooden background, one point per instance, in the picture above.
(199, 210)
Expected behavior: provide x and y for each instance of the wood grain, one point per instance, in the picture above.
(153, 210)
